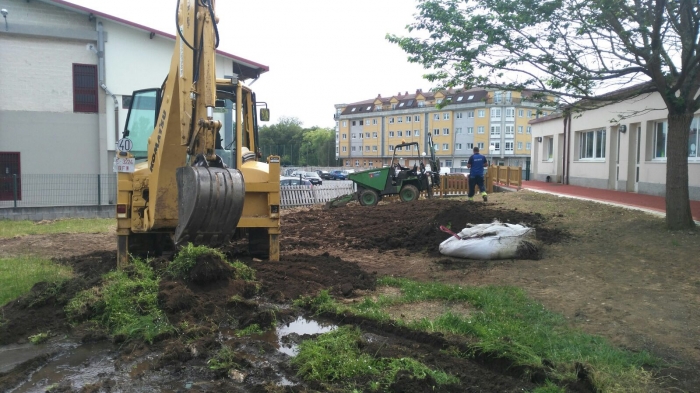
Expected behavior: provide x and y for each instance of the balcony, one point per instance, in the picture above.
(336, 116)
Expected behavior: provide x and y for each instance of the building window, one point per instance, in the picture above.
(393, 106)
(391, 134)
(374, 148)
(366, 148)
(480, 130)
(347, 162)
(378, 107)
(520, 145)
(436, 116)
(357, 162)
(362, 135)
(84, 88)
(446, 116)
(362, 123)
(408, 119)
(408, 132)
(391, 147)
(354, 148)
(439, 100)
(495, 113)
(374, 135)
(529, 113)
(520, 129)
(521, 113)
(374, 121)
(495, 130)
(445, 146)
(463, 163)
(448, 163)
(497, 97)
(693, 139)
(416, 118)
(470, 146)
(458, 130)
(345, 136)
(399, 148)
(496, 147)
(353, 135)
(528, 145)
(459, 114)
(366, 134)
(470, 130)
(421, 104)
(354, 123)
(528, 130)
(336, 150)
(510, 131)
(416, 132)
(481, 113)
(345, 123)
(480, 145)
(437, 147)
(371, 164)
(391, 120)
(509, 147)
(458, 146)
(399, 133)
(470, 114)
(549, 148)
(345, 148)
(510, 113)
(445, 131)
(659, 143)
(591, 144)
(436, 131)
(399, 119)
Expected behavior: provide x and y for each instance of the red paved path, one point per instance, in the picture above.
(650, 202)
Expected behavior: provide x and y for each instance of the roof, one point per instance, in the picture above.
(408, 101)
(247, 68)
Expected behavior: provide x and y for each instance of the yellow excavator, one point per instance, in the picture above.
(176, 182)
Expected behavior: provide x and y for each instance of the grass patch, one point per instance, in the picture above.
(252, 329)
(19, 274)
(336, 356)
(39, 338)
(9, 228)
(225, 359)
(509, 324)
(127, 304)
(187, 258)
(243, 271)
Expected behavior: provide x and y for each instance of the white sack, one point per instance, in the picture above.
(491, 241)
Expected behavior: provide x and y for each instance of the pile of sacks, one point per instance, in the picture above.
(492, 241)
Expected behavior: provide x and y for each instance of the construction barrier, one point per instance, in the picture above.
(458, 183)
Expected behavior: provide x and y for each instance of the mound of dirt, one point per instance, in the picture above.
(210, 268)
(42, 309)
(414, 226)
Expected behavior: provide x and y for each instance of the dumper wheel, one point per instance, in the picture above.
(408, 193)
(368, 197)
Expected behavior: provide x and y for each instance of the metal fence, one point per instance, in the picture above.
(57, 190)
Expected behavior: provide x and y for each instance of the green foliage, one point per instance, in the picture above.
(9, 228)
(39, 338)
(243, 271)
(187, 257)
(296, 145)
(127, 304)
(225, 359)
(510, 325)
(336, 356)
(252, 329)
(19, 274)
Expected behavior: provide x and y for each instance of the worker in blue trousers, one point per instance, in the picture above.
(476, 165)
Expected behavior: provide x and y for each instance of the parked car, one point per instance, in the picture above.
(340, 175)
(325, 175)
(313, 177)
(294, 181)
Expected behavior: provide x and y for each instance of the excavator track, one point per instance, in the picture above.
(210, 204)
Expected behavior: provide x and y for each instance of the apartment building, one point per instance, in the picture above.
(369, 131)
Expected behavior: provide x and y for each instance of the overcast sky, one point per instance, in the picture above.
(320, 52)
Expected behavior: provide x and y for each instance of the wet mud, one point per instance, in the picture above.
(210, 309)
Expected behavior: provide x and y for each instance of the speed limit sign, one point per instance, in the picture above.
(124, 144)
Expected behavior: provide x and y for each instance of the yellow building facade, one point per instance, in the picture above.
(368, 132)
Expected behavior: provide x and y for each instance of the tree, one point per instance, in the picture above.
(574, 49)
(318, 148)
(283, 139)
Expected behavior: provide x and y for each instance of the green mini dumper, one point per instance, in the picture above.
(408, 183)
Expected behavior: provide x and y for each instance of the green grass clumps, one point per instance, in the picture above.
(10, 228)
(186, 259)
(127, 304)
(225, 359)
(18, 275)
(243, 271)
(336, 356)
(252, 329)
(510, 325)
(39, 338)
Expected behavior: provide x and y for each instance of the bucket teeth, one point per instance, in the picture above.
(210, 203)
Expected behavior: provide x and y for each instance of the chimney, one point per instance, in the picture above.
(407, 93)
(379, 96)
(398, 94)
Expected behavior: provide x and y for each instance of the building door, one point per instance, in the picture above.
(9, 166)
(637, 159)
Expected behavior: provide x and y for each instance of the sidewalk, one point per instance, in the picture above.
(633, 200)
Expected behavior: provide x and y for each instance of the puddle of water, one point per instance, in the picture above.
(300, 326)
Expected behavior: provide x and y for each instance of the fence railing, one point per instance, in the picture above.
(293, 196)
(35, 190)
(509, 176)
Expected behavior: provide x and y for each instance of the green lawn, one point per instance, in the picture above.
(19, 274)
(73, 225)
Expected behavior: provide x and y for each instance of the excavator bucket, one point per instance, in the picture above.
(210, 204)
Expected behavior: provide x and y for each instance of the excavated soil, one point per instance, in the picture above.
(343, 250)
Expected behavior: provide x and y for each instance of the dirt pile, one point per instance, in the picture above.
(414, 226)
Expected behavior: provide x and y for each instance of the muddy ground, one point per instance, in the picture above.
(610, 271)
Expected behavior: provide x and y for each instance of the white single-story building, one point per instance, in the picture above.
(66, 75)
(596, 149)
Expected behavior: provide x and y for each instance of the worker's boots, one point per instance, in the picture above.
(484, 196)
